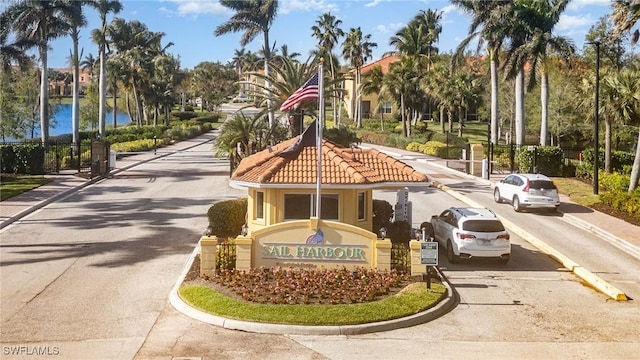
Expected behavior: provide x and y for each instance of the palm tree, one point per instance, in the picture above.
(487, 27)
(36, 22)
(89, 64)
(104, 7)
(77, 20)
(357, 49)
(625, 15)
(284, 81)
(429, 24)
(374, 84)
(540, 21)
(242, 136)
(238, 63)
(401, 80)
(328, 32)
(252, 17)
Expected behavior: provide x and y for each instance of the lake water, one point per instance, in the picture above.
(61, 121)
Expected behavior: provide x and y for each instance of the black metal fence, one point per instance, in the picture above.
(87, 159)
(401, 257)
(225, 256)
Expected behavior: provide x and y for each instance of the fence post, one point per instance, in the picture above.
(416, 266)
(208, 246)
(383, 255)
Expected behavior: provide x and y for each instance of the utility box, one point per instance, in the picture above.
(99, 158)
(477, 153)
(112, 159)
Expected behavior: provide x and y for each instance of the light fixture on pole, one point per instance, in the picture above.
(596, 150)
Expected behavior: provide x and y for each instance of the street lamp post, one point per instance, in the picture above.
(596, 122)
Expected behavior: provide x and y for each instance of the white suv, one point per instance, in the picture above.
(527, 191)
(471, 232)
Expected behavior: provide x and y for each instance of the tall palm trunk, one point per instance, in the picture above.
(44, 96)
(267, 83)
(115, 105)
(442, 119)
(102, 91)
(635, 170)
(75, 109)
(519, 98)
(494, 99)
(460, 122)
(607, 145)
(405, 132)
(544, 102)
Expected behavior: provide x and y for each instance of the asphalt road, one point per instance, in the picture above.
(88, 277)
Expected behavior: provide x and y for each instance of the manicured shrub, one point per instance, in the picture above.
(227, 217)
(441, 150)
(400, 232)
(542, 159)
(623, 201)
(382, 214)
(7, 159)
(415, 146)
(342, 136)
(184, 115)
(614, 182)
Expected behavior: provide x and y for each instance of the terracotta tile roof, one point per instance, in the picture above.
(384, 63)
(295, 162)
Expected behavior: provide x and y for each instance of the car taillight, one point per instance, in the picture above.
(526, 187)
(466, 236)
(504, 236)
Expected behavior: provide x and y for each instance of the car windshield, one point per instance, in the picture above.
(483, 226)
(541, 184)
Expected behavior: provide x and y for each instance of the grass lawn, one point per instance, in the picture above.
(14, 185)
(414, 298)
(579, 191)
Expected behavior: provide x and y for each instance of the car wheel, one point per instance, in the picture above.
(451, 256)
(496, 196)
(516, 204)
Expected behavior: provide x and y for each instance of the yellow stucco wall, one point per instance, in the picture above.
(285, 244)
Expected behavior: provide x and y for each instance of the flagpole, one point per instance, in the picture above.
(319, 136)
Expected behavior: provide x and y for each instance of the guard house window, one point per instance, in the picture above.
(362, 206)
(302, 206)
(259, 205)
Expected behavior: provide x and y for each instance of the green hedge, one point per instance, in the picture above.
(623, 201)
(227, 217)
(25, 158)
(546, 160)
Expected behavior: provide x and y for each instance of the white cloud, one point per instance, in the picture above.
(581, 4)
(373, 3)
(196, 7)
(570, 22)
(288, 6)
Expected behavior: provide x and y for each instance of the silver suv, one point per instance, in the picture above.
(471, 232)
(527, 191)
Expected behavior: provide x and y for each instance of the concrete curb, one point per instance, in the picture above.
(586, 275)
(443, 307)
(622, 244)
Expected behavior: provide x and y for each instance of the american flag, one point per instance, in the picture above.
(308, 91)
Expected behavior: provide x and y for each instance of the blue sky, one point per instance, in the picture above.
(189, 24)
